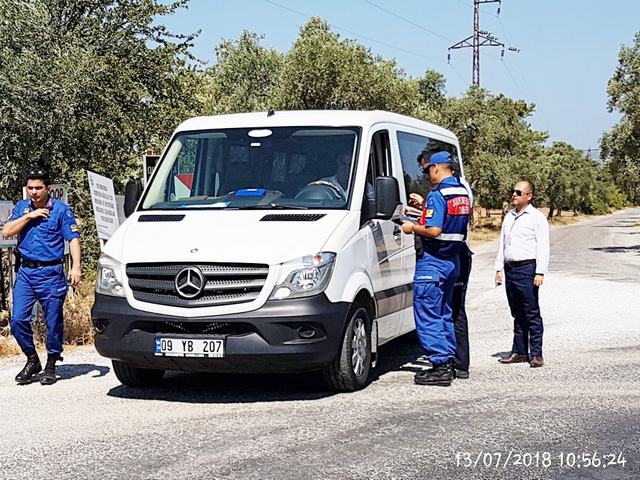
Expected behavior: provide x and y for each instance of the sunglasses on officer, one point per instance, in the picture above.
(38, 175)
(519, 193)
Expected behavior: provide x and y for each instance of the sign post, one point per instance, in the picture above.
(104, 205)
(6, 208)
(5, 212)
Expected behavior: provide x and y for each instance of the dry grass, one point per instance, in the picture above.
(8, 345)
(485, 229)
(78, 329)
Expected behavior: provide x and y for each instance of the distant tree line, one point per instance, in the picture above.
(91, 84)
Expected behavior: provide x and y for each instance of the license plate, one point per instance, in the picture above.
(189, 347)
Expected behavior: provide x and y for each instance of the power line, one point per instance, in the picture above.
(350, 32)
(408, 21)
(457, 72)
(522, 75)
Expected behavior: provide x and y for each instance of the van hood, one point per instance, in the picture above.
(229, 236)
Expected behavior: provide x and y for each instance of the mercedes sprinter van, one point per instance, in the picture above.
(266, 242)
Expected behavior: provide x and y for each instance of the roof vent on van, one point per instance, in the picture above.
(292, 217)
(160, 218)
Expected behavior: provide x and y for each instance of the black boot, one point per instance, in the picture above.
(440, 375)
(48, 377)
(32, 367)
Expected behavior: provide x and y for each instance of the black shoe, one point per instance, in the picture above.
(32, 367)
(48, 377)
(440, 375)
(461, 374)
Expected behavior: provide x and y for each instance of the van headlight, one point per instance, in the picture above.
(109, 277)
(305, 276)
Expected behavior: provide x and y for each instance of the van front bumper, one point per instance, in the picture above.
(274, 338)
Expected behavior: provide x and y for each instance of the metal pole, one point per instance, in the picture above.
(4, 297)
(476, 42)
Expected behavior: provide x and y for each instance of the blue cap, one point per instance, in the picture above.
(440, 157)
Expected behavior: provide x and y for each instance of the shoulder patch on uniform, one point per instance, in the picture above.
(429, 213)
(74, 228)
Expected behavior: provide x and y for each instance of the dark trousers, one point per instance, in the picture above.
(523, 301)
(461, 327)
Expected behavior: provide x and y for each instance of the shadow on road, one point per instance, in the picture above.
(65, 372)
(228, 388)
(400, 354)
(633, 248)
(501, 354)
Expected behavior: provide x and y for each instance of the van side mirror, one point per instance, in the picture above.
(132, 193)
(387, 197)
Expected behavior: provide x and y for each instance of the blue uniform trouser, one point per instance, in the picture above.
(432, 294)
(522, 295)
(48, 286)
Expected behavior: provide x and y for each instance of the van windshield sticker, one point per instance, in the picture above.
(251, 192)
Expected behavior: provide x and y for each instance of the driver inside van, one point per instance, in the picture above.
(341, 178)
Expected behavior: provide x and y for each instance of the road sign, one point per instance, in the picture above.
(149, 162)
(105, 208)
(6, 208)
(59, 192)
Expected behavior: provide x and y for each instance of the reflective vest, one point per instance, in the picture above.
(454, 230)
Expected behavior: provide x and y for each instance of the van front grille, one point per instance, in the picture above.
(222, 284)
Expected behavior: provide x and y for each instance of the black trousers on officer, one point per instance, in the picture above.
(459, 314)
(522, 295)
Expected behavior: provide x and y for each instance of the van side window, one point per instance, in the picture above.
(412, 145)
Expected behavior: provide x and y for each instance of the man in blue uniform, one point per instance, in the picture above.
(42, 224)
(443, 229)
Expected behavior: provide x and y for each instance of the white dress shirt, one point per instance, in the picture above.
(524, 236)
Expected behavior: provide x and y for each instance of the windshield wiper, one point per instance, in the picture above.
(272, 206)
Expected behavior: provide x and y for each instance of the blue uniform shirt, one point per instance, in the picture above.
(43, 239)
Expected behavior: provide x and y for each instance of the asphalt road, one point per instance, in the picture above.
(584, 404)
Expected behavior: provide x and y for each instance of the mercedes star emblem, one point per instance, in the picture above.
(190, 282)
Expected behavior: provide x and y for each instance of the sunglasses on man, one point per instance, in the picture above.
(519, 193)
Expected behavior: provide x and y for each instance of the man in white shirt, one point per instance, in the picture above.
(523, 256)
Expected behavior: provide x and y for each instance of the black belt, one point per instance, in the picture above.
(520, 263)
(36, 264)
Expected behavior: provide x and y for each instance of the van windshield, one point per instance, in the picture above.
(256, 168)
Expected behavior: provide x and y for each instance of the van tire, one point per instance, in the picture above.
(351, 368)
(136, 377)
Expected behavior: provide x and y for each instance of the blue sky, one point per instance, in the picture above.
(568, 48)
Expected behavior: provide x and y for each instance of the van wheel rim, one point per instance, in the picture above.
(358, 347)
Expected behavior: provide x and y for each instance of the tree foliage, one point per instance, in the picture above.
(103, 82)
(621, 146)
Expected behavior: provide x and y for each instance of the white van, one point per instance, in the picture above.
(266, 242)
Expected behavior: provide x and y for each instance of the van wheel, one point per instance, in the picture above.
(136, 377)
(350, 369)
